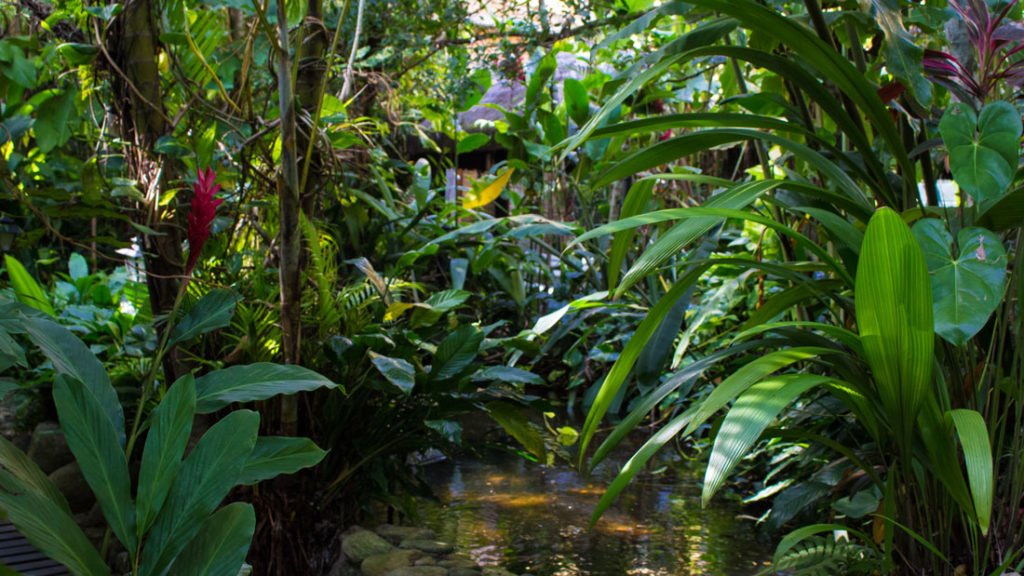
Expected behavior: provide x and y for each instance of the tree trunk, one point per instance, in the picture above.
(133, 47)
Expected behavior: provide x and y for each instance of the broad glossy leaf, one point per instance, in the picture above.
(973, 433)
(211, 312)
(26, 288)
(53, 531)
(276, 455)
(222, 543)
(456, 353)
(967, 281)
(207, 475)
(746, 420)
(252, 382)
(471, 142)
(93, 440)
(983, 149)
(893, 299)
(169, 430)
(577, 101)
(70, 356)
(399, 372)
(903, 57)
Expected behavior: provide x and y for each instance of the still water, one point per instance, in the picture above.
(532, 519)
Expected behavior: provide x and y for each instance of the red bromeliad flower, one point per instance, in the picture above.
(200, 218)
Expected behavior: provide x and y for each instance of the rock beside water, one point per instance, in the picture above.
(359, 544)
(392, 550)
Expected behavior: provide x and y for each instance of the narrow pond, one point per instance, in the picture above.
(506, 511)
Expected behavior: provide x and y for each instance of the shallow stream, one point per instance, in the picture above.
(532, 519)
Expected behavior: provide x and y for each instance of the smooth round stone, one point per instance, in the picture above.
(428, 546)
(361, 544)
(381, 564)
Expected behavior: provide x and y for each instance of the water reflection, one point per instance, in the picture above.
(533, 519)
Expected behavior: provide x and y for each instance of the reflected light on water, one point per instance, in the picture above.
(535, 519)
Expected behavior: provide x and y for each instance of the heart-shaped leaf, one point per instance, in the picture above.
(983, 149)
(967, 281)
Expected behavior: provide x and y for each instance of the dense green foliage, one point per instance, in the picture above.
(785, 235)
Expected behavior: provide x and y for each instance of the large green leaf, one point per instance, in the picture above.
(70, 356)
(746, 420)
(56, 120)
(983, 149)
(52, 530)
(276, 455)
(207, 475)
(903, 57)
(967, 281)
(456, 353)
(93, 440)
(398, 371)
(252, 382)
(212, 311)
(169, 430)
(973, 433)
(220, 546)
(26, 288)
(893, 299)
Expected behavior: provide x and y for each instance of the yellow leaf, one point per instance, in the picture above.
(395, 311)
(490, 192)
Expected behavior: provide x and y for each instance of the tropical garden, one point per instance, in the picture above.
(267, 262)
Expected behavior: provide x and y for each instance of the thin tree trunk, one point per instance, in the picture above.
(289, 206)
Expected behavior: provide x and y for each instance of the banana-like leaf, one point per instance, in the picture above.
(93, 440)
(456, 353)
(513, 421)
(209, 472)
(893, 298)
(749, 374)
(26, 288)
(169, 430)
(253, 382)
(276, 455)
(220, 546)
(53, 531)
(973, 433)
(967, 281)
(70, 357)
(753, 411)
(698, 120)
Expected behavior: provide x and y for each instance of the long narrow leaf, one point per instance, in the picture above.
(170, 427)
(746, 420)
(222, 543)
(973, 433)
(93, 440)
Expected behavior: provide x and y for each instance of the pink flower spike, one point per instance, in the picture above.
(200, 217)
